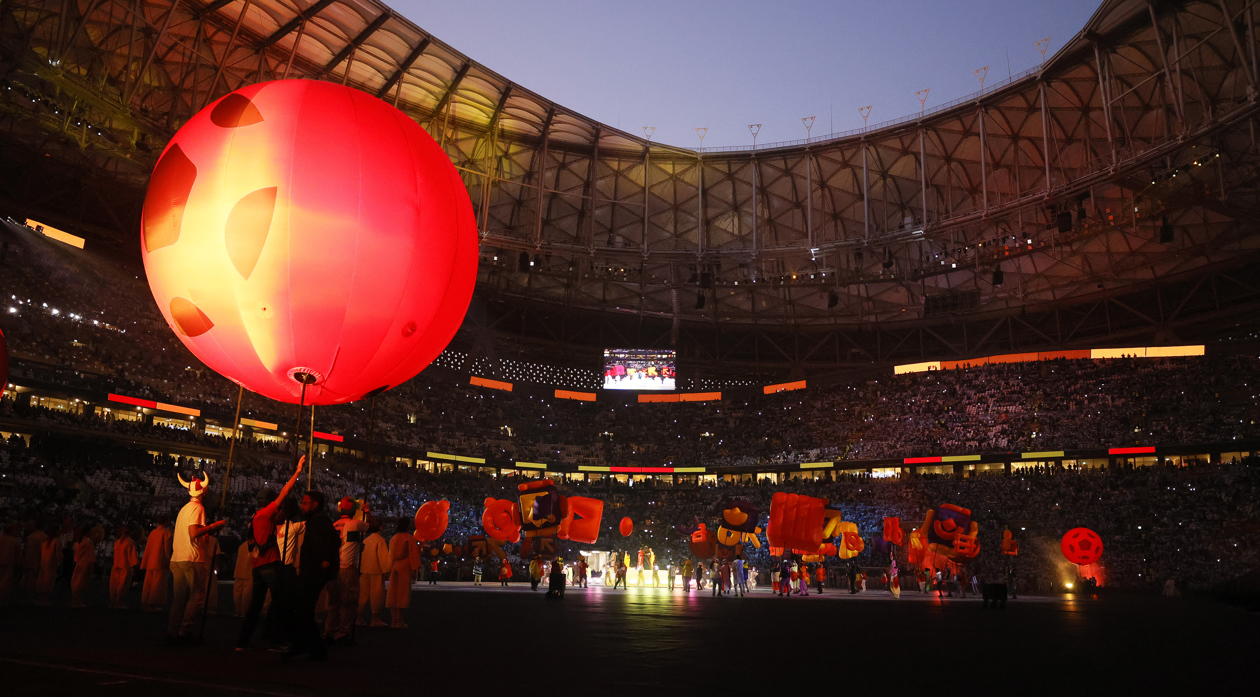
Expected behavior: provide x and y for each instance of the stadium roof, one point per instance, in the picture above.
(1111, 186)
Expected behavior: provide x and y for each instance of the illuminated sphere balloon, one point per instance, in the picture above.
(626, 527)
(302, 227)
(1082, 546)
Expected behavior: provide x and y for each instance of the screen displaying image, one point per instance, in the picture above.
(638, 369)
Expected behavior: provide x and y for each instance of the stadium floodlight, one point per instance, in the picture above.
(809, 125)
(981, 74)
(754, 128)
(700, 133)
(648, 131)
(865, 111)
(922, 96)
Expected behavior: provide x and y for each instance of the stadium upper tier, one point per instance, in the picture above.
(1124, 164)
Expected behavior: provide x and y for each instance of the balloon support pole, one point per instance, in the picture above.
(310, 450)
(236, 427)
(305, 379)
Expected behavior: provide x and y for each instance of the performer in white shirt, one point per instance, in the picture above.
(190, 563)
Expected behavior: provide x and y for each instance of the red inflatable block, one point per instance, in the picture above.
(581, 524)
(796, 521)
(893, 533)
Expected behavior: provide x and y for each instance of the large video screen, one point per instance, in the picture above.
(638, 369)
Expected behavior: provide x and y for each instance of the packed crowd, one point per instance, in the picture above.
(1196, 524)
(80, 321)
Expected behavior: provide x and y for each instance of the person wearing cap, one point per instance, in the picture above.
(267, 565)
(343, 591)
(190, 563)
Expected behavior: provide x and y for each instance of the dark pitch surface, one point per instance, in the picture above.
(465, 640)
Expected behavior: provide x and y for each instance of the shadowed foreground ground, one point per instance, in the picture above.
(464, 640)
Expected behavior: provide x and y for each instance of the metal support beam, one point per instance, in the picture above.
(450, 91)
(540, 179)
(227, 55)
(404, 66)
(355, 43)
(157, 41)
(294, 24)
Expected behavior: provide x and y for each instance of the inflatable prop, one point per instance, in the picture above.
(542, 509)
(626, 526)
(801, 523)
(701, 543)
(850, 542)
(1082, 546)
(583, 520)
(1010, 547)
(738, 523)
(303, 227)
(795, 521)
(951, 533)
(918, 547)
(893, 534)
(432, 519)
(480, 546)
(501, 520)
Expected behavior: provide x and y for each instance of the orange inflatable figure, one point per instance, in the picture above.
(583, 520)
(918, 547)
(432, 519)
(851, 543)
(796, 522)
(501, 520)
(893, 534)
(951, 533)
(1010, 547)
(702, 544)
(541, 508)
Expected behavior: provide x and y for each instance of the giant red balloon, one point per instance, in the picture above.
(303, 226)
(626, 527)
(1081, 546)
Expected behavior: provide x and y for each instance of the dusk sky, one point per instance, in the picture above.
(726, 64)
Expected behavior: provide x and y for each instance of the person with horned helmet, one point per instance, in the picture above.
(190, 563)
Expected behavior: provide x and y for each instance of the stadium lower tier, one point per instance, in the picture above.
(1193, 521)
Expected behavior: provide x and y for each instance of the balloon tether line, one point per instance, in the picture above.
(362, 544)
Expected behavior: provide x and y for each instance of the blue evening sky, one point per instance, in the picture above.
(687, 63)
